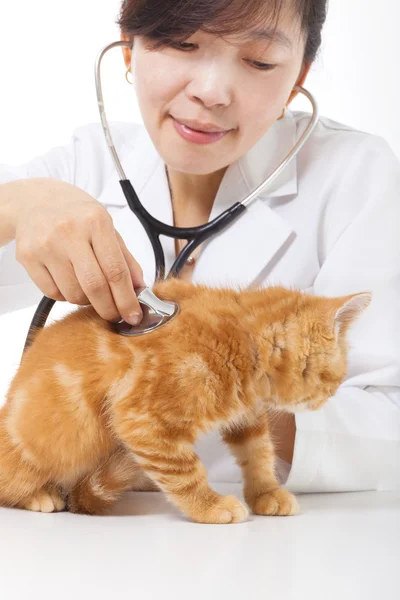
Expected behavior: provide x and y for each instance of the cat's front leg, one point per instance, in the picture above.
(174, 466)
(252, 446)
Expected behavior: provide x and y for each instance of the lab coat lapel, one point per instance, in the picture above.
(235, 256)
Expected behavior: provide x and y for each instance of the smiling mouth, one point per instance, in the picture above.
(206, 128)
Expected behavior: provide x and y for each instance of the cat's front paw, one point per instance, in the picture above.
(44, 501)
(278, 502)
(227, 509)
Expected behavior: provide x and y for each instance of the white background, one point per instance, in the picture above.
(48, 50)
(47, 53)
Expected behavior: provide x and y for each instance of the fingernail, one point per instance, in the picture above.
(135, 318)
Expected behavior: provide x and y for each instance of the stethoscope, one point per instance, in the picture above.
(157, 312)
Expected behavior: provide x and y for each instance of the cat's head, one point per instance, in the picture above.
(303, 347)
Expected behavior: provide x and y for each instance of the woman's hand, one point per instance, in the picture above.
(66, 241)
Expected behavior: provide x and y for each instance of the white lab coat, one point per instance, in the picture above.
(329, 224)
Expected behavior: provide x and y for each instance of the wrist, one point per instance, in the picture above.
(14, 197)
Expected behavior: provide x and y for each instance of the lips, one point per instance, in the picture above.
(195, 136)
(202, 128)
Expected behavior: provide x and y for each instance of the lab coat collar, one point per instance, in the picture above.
(238, 254)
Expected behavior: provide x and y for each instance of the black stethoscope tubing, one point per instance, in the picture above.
(153, 227)
(194, 235)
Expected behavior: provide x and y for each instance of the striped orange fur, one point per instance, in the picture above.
(90, 414)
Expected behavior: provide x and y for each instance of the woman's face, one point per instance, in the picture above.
(219, 82)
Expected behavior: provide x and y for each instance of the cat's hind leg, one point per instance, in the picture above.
(98, 491)
(27, 491)
(47, 499)
(22, 484)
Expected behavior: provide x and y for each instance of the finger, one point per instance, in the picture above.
(117, 273)
(93, 282)
(134, 267)
(62, 271)
(44, 281)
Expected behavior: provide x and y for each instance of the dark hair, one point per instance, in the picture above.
(164, 21)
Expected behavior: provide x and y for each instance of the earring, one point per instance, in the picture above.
(283, 113)
(126, 76)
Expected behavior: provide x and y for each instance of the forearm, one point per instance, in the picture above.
(8, 193)
(350, 444)
(283, 430)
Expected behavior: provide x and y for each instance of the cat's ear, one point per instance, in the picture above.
(352, 306)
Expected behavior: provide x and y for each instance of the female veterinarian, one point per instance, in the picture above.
(214, 87)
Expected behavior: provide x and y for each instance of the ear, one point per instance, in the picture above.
(300, 80)
(126, 52)
(352, 307)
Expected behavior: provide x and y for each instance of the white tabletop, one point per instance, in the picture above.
(342, 546)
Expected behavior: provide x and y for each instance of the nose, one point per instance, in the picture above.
(211, 84)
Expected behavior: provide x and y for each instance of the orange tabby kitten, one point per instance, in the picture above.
(91, 413)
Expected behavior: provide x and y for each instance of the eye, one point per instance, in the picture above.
(182, 45)
(262, 66)
(257, 64)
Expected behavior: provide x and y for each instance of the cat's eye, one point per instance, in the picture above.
(305, 369)
(327, 338)
(327, 377)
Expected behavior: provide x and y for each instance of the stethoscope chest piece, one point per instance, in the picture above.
(156, 314)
